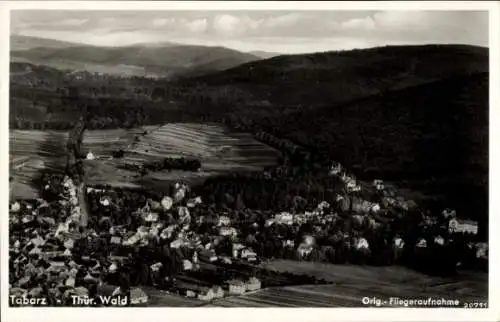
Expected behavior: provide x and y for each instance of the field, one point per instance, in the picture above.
(188, 140)
(351, 283)
(31, 151)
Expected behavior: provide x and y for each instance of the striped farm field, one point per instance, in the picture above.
(349, 290)
(30, 152)
(191, 140)
(104, 142)
(332, 295)
(348, 284)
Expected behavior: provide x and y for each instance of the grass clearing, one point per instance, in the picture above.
(190, 140)
(31, 151)
(350, 283)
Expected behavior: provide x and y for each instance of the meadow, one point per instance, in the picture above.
(189, 140)
(32, 151)
(350, 283)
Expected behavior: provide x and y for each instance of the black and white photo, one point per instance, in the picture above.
(219, 157)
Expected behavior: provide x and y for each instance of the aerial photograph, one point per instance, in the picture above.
(237, 158)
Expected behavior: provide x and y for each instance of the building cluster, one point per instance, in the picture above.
(54, 253)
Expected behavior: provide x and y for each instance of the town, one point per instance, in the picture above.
(188, 243)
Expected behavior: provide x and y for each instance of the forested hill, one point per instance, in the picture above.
(414, 114)
(333, 77)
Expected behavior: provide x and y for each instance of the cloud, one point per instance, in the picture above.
(287, 20)
(198, 25)
(227, 25)
(365, 24)
(255, 30)
(73, 22)
(160, 22)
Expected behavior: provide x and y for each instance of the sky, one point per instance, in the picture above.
(272, 31)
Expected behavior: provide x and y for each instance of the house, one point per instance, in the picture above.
(205, 294)
(138, 296)
(360, 205)
(422, 243)
(108, 290)
(248, 254)
(113, 267)
(361, 244)
(226, 260)
(187, 265)
(330, 218)
(224, 221)
(176, 243)
(430, 221)
(482, 250)
(399, 242)
(300, 219)
(284, 218)
(316, 212)
(449, 213)
(236, 249)
(439, 240)
(335, 169)
(217, 291)
(236, 287)
(15, 207)
(308, 214)
(351, 185)
(253, 284)
(456, 225)
(193, 202)
(346, 178)
(375, 207)
(167, 202)
(401, 203)
(183, 212)
(227, 231)
(207, 255)
(269, 222)
(181, 192)
(323, 205)
(289, 243)
(304, 249)
(156, 267)
(116, 240)
(151, 217)
(90, 156)
(373, 224)
(388, 201)
(378, 184)
(358, 219)
(104, 201)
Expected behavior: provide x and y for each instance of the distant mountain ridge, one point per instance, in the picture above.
(264, 54)
(20, 42)
(162, 59)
